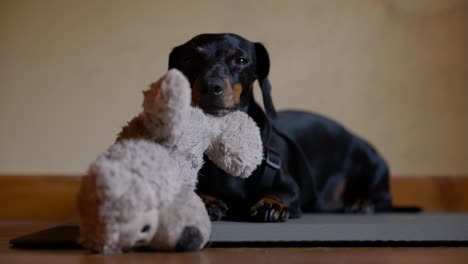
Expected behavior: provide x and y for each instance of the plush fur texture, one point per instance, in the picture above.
(175, 220)
(140, 192)
(131, 179)
(232, 141)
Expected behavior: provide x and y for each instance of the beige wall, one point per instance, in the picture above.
(395, 72)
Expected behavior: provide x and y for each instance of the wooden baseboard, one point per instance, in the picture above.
(38, 197)
(435, 193)
(54, 197)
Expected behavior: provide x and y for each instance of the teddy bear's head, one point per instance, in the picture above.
(122, 196)
(112, 225)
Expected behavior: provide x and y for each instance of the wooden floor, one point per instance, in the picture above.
(46, 201)
(10, 229)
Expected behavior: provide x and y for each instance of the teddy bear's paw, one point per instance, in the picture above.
(270, 209)
(216, 208)
(170, 93)
(175, 91)
(176, 82)
(166, 106)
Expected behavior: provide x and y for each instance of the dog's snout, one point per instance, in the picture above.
(215, 80)
(215, 87)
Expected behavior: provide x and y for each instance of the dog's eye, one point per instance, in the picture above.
(241, 61)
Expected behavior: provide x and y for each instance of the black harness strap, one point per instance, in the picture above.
(273, 163)
(272, 157)
(307, 184)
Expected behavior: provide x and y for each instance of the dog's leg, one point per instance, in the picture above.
(368, 190)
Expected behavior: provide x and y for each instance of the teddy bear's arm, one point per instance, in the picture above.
(237, 148)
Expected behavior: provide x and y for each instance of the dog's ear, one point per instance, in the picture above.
(175, 57)
(262, 70)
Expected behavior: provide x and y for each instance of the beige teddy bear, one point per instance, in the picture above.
(140, 192)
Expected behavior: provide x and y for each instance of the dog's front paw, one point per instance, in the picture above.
(270, 209)
(216, 208)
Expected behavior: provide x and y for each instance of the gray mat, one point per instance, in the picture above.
(381, 229)
(420, 229)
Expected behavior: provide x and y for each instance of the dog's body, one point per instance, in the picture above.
(312, 163)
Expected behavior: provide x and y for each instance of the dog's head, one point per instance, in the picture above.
(222, 69)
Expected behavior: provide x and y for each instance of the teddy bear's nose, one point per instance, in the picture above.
(191, 239)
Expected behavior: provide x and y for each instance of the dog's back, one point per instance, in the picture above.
(349, 175)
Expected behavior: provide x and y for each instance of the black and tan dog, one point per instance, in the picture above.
(311, 162)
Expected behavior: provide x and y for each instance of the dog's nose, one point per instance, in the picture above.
(217, 90)
(215, 87)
